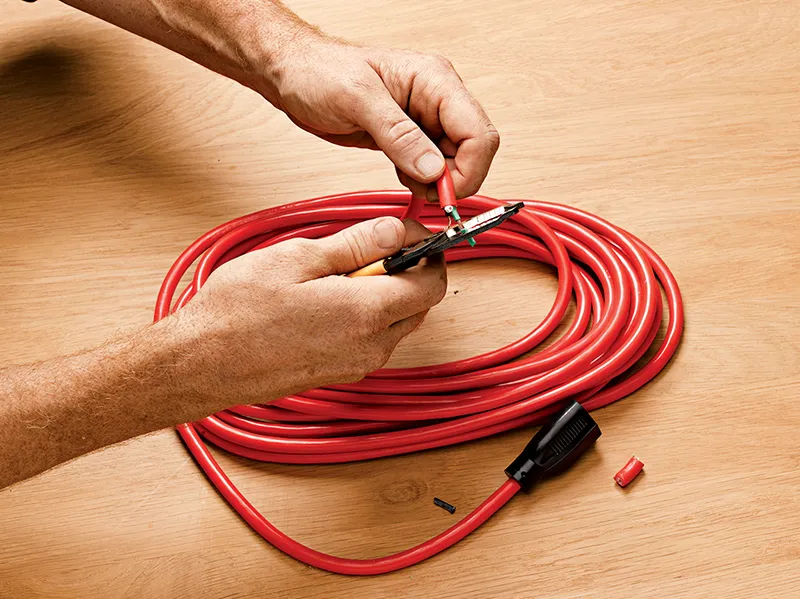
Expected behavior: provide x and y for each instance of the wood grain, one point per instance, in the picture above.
(676, 120)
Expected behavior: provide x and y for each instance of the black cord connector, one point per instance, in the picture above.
(555, 446)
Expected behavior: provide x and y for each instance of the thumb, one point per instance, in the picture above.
(356, 246)
(400, 138)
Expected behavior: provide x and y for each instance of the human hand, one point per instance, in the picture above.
(280, 320)
(412, 106)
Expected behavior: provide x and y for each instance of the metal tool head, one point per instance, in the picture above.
(439, 242)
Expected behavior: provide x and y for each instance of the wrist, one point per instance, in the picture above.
(280, 56)
(214, 362)
(183, 371)
(248, 41)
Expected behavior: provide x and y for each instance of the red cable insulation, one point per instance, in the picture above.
(628, 472)
(614, 278)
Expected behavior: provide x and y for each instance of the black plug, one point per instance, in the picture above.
(555, 446)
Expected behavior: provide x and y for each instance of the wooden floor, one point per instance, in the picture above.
(677, 120)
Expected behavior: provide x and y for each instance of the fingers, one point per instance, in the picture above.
(413, 291)
(446, 111)
(405, 327)
(390, 299)
(387, 341)
(410, 292)
(344, 252)
(415, 232)
(428, 190)
(400, 296)
(357, 246)
(417, 189)
(301, 260)
(356, 139)
(468, 130)
(398, 136)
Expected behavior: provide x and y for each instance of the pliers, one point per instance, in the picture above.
(439, 242)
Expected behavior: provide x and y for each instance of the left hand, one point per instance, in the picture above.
(412, 106)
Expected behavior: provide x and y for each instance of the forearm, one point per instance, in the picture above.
(56, 410)
(413, 107)
(267, 325)
(243, 40)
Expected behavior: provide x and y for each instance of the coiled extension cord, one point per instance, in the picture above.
(613, 277)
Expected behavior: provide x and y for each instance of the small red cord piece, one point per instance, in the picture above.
(629, 471)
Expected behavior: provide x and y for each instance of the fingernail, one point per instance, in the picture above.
(386, 234)
(430, 165)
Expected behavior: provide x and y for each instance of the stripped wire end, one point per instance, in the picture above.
(452, 212)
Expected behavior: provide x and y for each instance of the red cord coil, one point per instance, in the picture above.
(613, 277)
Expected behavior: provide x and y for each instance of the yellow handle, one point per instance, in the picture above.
(370, 270)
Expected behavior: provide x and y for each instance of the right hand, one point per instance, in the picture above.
(414, 107)
(281, 320)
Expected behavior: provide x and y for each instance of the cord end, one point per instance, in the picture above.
(555, 447)
(452, 212)
(628, 472)
(446, 189)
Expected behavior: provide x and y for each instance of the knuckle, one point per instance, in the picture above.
(368, 358)
(348, 377)
(287, 253)
(403, 134)
(353, 90)
(348, 374)
(293, 248)
(440, 290)
(492, 138)
(442, 62)
(435, 293)
(355, 371)
(418, 59)
(356, 241)
(470, 186)
(380, 354)
(344, 87)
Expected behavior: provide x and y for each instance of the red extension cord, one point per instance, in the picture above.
(614, 278)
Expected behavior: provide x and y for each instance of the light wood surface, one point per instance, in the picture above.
(677, 120)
